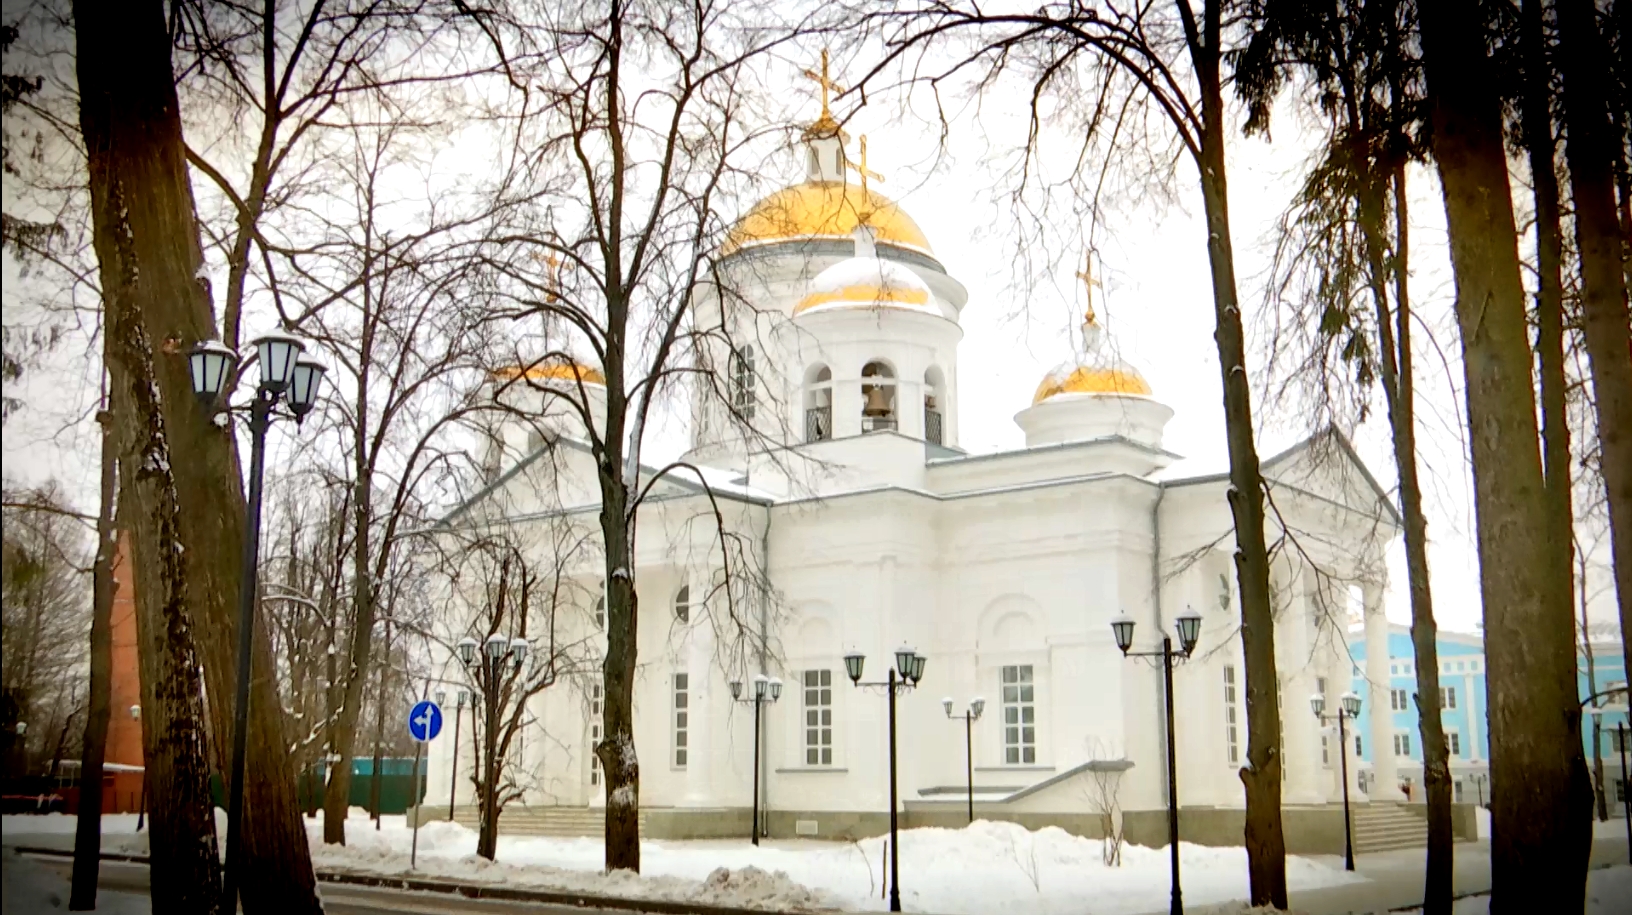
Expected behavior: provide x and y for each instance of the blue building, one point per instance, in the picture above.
(1463, 710)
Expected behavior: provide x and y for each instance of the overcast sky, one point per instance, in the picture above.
(1157, 301)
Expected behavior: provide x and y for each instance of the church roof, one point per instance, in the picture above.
(824, 210)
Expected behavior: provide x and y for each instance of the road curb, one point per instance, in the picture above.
(467, 890)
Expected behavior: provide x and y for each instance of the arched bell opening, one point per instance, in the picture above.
(934, 406)
(878, 386)
(818, 403)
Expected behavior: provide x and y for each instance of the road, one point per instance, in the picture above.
(347, 900)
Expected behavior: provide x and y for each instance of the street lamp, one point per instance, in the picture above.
(765, 690)
(908, 670)
(976, 706)
(489, 667)
(1188, 625)
(462, 698)
(141, 806)
(1348, 708)
(211, 366)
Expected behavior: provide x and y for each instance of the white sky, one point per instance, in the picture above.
(1157, 297)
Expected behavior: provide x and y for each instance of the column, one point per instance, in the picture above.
(1298, 681)
(1385, 774)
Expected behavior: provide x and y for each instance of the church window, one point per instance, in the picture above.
(1456, 787)
(1402, 744)
(1447, 697)
(681, 718)
(1232, 736)
(600, 612)
(682, 604)
(1399, 701)
(1019, 715)
(595, 703)
(878, 397)
(1454, 740)
(1326, 750)
(1357, 746)
(818, 717)
(742, 382)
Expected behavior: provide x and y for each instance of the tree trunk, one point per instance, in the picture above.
(88, 830)
(487, 837)
(1265, 840)
(1394, 354)
(1591, 150)
(379, 727)
(1538, 818)
(186, 502)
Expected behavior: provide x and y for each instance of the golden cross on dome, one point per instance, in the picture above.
(1086, 274)
(861, 168)
(826, 84)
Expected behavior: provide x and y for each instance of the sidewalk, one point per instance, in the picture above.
(1396, 879)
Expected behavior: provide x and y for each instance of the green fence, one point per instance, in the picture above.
(398, 790)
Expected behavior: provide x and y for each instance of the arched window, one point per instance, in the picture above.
(877, 397)
(934, 399)
(682, 604)
(743, 382)
(600, 612)
(818, 403)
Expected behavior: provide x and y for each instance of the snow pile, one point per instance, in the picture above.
(29, 887)
(987, 867)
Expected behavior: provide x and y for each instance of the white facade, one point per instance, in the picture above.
(1004, 570)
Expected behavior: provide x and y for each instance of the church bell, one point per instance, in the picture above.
(878, 403)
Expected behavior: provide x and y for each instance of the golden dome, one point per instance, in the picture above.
(560, 371)
(1092, 380)
(824, 209)
(865, 294)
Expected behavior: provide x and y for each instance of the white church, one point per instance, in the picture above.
(872, 529)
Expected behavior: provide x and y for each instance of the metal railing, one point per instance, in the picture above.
(818, 424)
(933, 431)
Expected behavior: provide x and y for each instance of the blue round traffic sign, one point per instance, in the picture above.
(424, 721)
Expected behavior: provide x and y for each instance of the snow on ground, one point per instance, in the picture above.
(56, 823)
(988, 867)
(29, 887)
(1613, 828)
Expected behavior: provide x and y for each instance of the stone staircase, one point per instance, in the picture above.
(517, 820)
(1386, 827)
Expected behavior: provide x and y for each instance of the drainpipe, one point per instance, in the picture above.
(1156, 603)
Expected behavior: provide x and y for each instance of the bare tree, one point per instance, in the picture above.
(1539, 837)
(1173, 58)
(1104, 790)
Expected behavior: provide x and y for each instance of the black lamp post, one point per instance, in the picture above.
(1479, 780)
(286, 375)
(141, 806)
(909, 664)
(497, 668)
(764, 690)
(976, 706)
(1350, 708)
(460, 699)
(1188, 624)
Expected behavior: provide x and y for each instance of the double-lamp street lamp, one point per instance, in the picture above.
(1350, 708)
(1188, 624)
(908, 670)
(497, 654)
(764, 691)
(976, 706)
(290, 377)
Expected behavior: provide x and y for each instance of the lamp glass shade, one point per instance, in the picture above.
(1122, 628)
(736, 689)
(853, 664)
(903, 661)
(304, 383)
(277, 352)
(467, 650)
(441, 698)
(135, 712)
(776, 688)
(209, 364)
(1189, 625)
(977, 706)
(1317, 703)
(1351, 705)
(760, 685)
(496, 646)
(519, 648)
(463, 698)
(917, 667)
(946, 703)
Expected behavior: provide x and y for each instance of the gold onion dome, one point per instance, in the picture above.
(866, 281)
(825, 210)
(553, 371)
(1096, 371)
